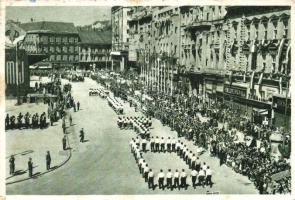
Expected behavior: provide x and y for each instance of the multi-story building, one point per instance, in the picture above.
(94, 49)
(120, 38)
(258, 53)
(237, 54)
(57, 39)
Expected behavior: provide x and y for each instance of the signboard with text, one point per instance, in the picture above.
(235, 91)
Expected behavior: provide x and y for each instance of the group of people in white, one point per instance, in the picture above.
(115, 104)
(201, 173)
(141, 125)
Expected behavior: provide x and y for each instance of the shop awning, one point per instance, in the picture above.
(261, 111)
(115, 53)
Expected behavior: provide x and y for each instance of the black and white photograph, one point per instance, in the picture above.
(147, 100)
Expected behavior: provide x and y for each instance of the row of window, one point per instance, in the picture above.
(58, 49)
(64, 58)
(58, 39)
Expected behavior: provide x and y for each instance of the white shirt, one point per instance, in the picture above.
(169, 175)
(157, 140)
(161, 175)
(202, 173)
(146, 169)
(173, 141)
(194, 173)
(194, 158)
(183, 174)
(168, 141)
(151, 174)
(209, 172)
(176, 175)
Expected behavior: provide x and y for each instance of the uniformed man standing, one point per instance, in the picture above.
(157, 144)
(145, 172)
(198, 164)
(194, 175)
(30, 167)
(151, 179)
(64, 143)
(161, 176)
(48, 160)
(201, 177)
(11, 165)
(173, 143)
(209, 176)
(169, 179)
(82, 134)
(162, 145)
(143, 144)
(152, 143)
(176, 179)
(168, 145)
(183, 176)
(193, 161)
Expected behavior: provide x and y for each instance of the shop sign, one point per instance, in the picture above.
(236, 91)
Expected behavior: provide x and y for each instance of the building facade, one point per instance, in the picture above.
(235, 54)
(95, 49)
(59, 40)
(120, 38)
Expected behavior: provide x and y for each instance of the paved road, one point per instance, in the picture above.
(104, 164)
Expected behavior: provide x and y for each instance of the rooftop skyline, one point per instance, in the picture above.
(79, 15)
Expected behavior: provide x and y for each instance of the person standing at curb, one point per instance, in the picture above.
(48, 160)
(64, 143)
(78, 105)
(30, 167)
(11, 165)
(71, 120)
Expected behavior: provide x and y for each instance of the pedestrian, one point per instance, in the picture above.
(161, 176)
(152, 143)
(82, 134)
(74, 105)
(193, 161)
(151, 179)
(209, 177)
(173, 142)
(30, 167)
(78, 105)
(183, 176)
(11, 165)
(176, 179)
(48, 160)
(169, 179)
(194, 175)
(64, 143)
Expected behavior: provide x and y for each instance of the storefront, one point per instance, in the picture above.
(281, 111)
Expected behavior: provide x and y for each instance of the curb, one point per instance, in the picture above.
(46, 172)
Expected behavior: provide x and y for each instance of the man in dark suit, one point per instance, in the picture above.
(30, 167)
(48, 160)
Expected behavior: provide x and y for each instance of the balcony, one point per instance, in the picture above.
(203, 25)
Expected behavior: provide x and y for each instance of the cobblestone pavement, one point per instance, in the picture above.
(104, 164)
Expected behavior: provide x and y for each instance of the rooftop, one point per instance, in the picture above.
(96, 37)
(50, 27)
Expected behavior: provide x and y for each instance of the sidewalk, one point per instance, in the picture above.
(34, 143)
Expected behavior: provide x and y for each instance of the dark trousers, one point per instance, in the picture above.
(144, 147)
(169, 183)
(201, 180)
(208, 180)
(161, 183)
(194, 178)
(169, 147)
(64, 146)
(183, 182)
(146, 176)
(198, 168)
(30, 172)
(163, 147)
(157, 146)
(173, 147)
(193, 165)
(11, 169)
(48, 165)
(176, 183)
(151, 182)
(152, 146)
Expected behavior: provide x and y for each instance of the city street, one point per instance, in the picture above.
(104, 165)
